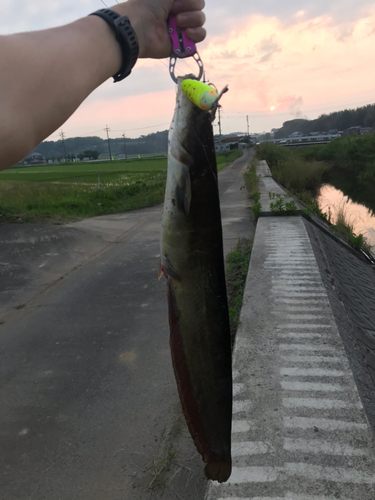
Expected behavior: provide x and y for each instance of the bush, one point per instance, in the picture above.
(292, 171)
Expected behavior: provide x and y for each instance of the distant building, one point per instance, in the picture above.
(33, 159)
(366, 130)
(227, 144)
(352, 131)
(358, 130)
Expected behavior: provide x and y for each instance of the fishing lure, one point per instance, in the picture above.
(202, 95)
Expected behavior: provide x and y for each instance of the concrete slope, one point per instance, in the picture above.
(299, 428)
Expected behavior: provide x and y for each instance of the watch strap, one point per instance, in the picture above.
(126, 37)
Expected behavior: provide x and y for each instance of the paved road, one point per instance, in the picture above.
(89, 404)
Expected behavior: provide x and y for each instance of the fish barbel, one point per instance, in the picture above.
(192, 260)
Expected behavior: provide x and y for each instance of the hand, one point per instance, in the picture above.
(149, 20)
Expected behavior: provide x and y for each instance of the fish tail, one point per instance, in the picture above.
(218, 470)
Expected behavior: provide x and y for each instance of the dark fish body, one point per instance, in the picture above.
(192, 260)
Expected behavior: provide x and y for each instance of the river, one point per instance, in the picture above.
(360, 217)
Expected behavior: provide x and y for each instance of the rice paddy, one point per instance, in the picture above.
(65, 192)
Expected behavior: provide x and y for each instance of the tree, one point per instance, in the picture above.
(91, 154)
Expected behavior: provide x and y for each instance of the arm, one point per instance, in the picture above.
(45, 75)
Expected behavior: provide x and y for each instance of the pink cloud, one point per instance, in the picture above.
(302, 69)
(309, 65)
(144, 112)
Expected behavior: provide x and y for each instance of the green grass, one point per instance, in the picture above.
(291, 170)
(83, 172)
(353, 162)
(252, 185)
(61, 193)
(344, 227)
(252, 180)
(224, 159)
(280, 206)
(237, 265)
(31, 202)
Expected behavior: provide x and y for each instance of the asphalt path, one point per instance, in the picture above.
(89, 407)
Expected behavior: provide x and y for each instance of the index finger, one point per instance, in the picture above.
(187, 6)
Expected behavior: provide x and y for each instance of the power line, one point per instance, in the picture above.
(143, 128)
(163, 63)
(316, 109)
(183, 60)
(93, 132)
(188, 65)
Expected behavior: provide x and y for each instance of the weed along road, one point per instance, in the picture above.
(89, 405)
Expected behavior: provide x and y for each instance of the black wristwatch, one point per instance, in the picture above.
(126, 37)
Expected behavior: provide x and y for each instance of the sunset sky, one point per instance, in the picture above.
(282, 60)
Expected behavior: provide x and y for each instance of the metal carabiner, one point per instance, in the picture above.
(182, 47)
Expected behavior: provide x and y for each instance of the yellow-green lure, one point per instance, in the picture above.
(204, 96)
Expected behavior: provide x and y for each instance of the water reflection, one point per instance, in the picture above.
(332, 200)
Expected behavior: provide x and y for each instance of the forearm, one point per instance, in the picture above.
(48, 75)
(45, 75)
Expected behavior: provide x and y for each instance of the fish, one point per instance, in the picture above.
(192, 260)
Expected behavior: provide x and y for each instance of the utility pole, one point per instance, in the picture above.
(107, 129)
(219, 123)
(62, 135)
(126, 156)
(248, 137)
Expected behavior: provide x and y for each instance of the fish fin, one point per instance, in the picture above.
(183, 192)
(180, 368)
(160, 271)
(166, 268)
(218, 470)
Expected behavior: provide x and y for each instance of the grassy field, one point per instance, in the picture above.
(83, 172)
(237, 265)
(60, 193)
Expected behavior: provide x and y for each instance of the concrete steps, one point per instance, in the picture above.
(299, 428)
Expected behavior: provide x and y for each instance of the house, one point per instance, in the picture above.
(366, 130)
(352, 131)
(33, 159)
(227, 144)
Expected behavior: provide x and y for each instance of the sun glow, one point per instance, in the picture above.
(272, 108)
